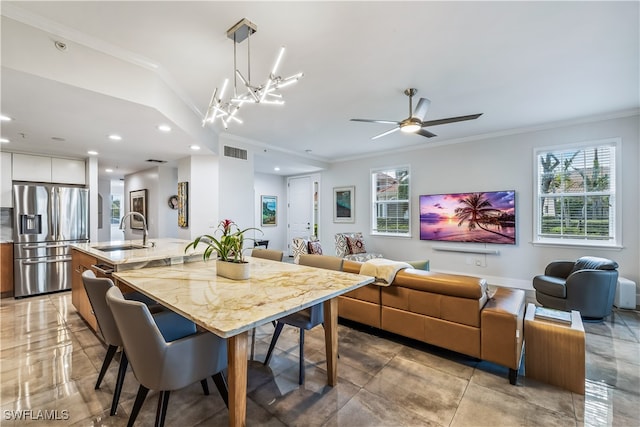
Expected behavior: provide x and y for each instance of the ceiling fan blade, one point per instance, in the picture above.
(388, 122)
(386, 133)
(421, 109)
(426, 133)
(450, 120)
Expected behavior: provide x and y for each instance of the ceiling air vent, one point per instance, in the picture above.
(156, 161)
(234, 152)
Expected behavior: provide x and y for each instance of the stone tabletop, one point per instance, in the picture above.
(227, 307)
(162, 248)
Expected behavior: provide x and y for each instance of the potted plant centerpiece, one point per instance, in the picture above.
(230, 262)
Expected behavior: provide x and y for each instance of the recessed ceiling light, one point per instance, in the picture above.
(4, 140)
(115, 137)
(276, 169)
(164, 128)
(4, 118)
(108, 170)
(92, 153)
(194, 147)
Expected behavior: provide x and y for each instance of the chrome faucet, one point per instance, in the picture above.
(144, 225)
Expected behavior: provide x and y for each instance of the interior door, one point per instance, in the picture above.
(300, 208)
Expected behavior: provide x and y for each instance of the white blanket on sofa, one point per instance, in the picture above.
(384, 270)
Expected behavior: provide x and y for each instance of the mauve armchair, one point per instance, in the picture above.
(587, 285)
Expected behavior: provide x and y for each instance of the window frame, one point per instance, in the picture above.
(615, 242)
(375, 204)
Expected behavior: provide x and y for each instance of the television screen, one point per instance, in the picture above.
(488, 217)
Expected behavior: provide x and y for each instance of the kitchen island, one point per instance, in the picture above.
(104, 258)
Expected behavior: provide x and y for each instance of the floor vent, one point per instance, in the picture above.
(237, 153)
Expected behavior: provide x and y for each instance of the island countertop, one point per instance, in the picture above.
(162, 249)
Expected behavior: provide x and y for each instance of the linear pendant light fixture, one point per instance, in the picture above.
(266, 93)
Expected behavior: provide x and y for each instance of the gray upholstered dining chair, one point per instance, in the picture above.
(587, 285)
(171, 325)
(308, 318)
(161, 365)
(272, 254)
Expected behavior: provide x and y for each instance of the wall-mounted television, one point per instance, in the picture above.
(483, 217)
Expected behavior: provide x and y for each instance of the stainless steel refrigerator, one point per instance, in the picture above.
(47, 219)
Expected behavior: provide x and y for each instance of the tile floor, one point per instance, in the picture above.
(49, 361)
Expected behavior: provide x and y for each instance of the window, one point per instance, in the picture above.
(576, 194)
(391, 210)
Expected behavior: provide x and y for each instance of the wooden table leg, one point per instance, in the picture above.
(331, 339)
(237, 377)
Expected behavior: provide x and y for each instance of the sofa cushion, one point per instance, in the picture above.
(594, 263)
(356, 245)
(315, 248)
(549, 285)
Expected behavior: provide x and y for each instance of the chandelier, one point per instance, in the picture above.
(226, 109)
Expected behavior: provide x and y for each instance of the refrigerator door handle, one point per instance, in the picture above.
(47, 261)
(45, 246)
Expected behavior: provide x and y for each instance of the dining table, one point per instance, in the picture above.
(232, 308)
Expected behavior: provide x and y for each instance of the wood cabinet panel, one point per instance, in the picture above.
(6, 269)
(81, 262)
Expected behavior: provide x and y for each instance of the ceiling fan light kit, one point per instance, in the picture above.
(226, 109)
(416, 123)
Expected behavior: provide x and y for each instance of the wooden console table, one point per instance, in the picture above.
(554, 352)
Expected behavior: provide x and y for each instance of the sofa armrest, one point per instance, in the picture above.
(502, 332)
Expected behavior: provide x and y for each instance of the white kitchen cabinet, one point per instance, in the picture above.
(67, 171)
(28, 167)
(31, 168)
(6, 201)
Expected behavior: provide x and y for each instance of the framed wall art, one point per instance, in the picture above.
(269, 213)
(344, 204)
(183, 204)
(138, 203)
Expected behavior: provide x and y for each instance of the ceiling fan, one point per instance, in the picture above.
(415, 123)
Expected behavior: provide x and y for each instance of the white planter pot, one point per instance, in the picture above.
(232, 270)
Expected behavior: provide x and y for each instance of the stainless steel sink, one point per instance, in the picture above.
(118, 248)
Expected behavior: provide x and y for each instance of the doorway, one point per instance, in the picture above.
(303, 209)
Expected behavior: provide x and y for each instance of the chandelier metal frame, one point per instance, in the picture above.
(226, 109)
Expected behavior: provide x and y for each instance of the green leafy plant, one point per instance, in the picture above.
(228, 246)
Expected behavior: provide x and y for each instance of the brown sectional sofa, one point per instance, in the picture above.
(450, 311)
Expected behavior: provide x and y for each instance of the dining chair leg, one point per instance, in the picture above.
(142, 394)
(274, 339)
(253, 342)
(221, 383)
(301, 368)
(161, 413)
(122, 370)
(205, 387)
(111, 351)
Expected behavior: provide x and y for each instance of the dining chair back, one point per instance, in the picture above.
(161, 365)
(271, 254)
(308, 318)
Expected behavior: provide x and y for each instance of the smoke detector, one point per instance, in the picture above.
(61, 46)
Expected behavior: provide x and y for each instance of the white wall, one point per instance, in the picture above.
(272, 185)
(104, 189)
(202, 175)
(499, 163)
(160, 183)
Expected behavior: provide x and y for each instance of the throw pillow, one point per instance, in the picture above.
(356, 246)
(315, 248)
